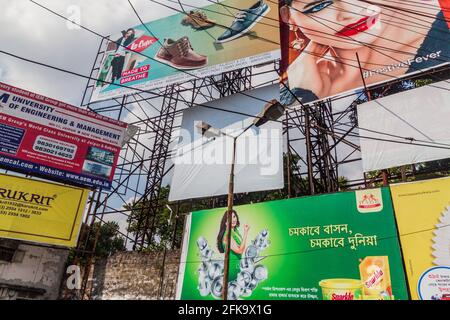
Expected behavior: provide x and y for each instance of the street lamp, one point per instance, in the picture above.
(272, 111)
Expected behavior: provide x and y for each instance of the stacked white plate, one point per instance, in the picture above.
(441, 240)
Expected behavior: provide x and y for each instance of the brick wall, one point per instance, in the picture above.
(136, 276)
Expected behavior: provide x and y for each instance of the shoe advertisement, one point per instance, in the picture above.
(332, 48)
(195, 42)
(330, 247)
(422, 210)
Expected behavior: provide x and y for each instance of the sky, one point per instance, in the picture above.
(32, 32)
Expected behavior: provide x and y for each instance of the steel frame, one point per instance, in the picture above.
(313, 135)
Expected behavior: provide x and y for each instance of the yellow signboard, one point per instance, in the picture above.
(40, 211)
(423, 216)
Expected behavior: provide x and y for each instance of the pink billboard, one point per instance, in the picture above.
(52, 139)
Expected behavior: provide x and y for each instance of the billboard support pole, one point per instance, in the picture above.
(311, 186)
(288, 161)
(384, 173)
(229, 219)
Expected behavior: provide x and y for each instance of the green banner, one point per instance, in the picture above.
(340, 246)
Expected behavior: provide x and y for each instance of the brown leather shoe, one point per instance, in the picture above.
(180, 55)
(198, 20)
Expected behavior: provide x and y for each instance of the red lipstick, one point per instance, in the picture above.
(359, 26)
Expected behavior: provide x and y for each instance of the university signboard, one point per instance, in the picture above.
(49, 138)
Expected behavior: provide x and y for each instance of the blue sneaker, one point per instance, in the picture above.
(245, 20)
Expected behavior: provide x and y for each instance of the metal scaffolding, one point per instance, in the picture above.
(314, 136)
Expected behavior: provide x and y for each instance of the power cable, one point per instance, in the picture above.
(304, 32)
(103, 37)
(201, 105)
(388, 22)
(364, 44)
(295, 252)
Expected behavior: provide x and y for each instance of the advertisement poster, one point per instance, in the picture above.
(40, 212)
(49, 138)
(332, 247)
(322, 42)
(423, 217)
(195, 42)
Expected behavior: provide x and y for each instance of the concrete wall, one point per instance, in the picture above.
(34, 273)
(136, 276)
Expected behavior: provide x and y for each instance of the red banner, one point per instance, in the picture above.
(46, 137)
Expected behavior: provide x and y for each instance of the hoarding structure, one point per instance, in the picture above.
(42, 212)
(202, 164)
(50, 138)
(419, 116)
(333, 47)
(422, 210)
(197, 43)
(333, 247)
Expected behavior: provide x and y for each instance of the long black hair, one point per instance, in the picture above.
(131, 38)
(223, 228)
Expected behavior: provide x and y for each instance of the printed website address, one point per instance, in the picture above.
(16, 163)
(87, 180)
(79, 179)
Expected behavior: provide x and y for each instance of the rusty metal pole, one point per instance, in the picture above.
(288, 158)
(384, 173)
(226, 270)
(311, 186)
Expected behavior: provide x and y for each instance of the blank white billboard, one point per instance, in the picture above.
(422, 115)
(202, 163)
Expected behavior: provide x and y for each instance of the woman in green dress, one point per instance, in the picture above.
(238, 243)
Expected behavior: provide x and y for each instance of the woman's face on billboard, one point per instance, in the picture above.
(346, 24)
(234, 220)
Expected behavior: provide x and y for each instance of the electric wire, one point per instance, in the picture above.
(363, 43)
(296, 252)
(201, 105)
(103, 37)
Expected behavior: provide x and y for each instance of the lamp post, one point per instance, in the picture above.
(272, 111)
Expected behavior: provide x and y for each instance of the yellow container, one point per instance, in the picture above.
(376, 278)
(341, 289)
(378, 297)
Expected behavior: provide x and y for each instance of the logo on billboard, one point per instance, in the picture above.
(375, 276)
(369, 200)
(4, 98)
(21, 196)
(142, 43)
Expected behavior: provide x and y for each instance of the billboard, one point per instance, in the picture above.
(420, 114)
(210, 40)
(49, 138)
(340, 246)
(322, 42)
(422, 210)
(39, 211)
(202, 163)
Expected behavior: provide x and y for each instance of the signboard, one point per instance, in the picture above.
(420, 114)
(45, 137)
(204, 41)
(40, 212)
(202, 163)
(331, 48)
(423, 216)
(334, 247)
